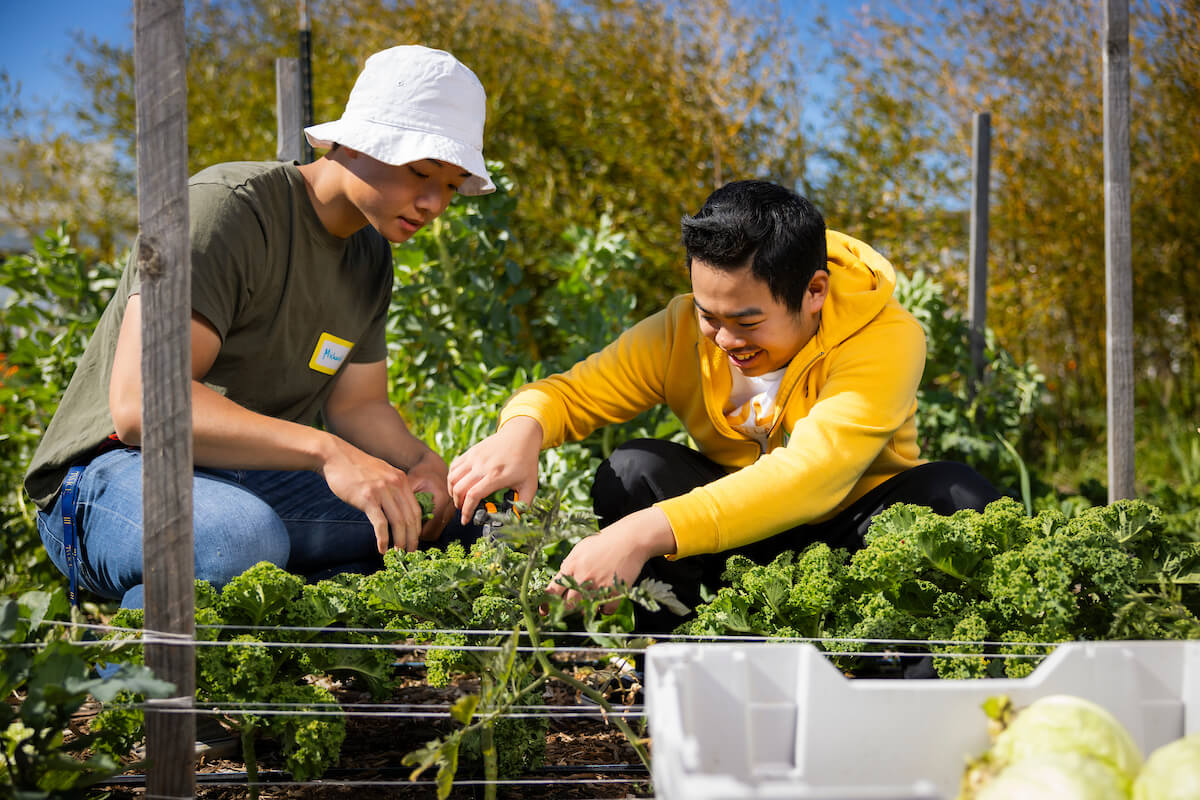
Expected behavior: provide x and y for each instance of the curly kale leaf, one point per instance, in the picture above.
(442, 663)
(311, 744)
(259, 596)
(968, 660)
(1167, 551)
(794, 595)
(520, 746)
(1067, 584)
(424, 585)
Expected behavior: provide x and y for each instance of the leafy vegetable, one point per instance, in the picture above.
(426, 501)
(1054, 776)
(972, 578)
(1172, 772)
(1068, 724)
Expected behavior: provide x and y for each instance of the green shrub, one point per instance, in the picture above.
(953, 421)
(53, 300)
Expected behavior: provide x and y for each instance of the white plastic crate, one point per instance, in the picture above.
(780, 721)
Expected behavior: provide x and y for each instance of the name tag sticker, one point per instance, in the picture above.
(329, 354)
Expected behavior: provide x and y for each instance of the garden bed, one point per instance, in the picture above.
(586, 757)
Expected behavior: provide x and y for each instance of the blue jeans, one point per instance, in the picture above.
(241, 517)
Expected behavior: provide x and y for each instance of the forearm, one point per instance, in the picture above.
(226, 435)
(377, 428)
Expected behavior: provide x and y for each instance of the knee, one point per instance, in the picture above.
(642, 472)
(238, 538)
(960, 487)
(639, 456)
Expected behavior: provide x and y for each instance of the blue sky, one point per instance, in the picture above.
(35, 38)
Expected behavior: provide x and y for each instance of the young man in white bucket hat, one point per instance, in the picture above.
(291, 282)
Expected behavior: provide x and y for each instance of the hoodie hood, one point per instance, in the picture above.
(861, 283)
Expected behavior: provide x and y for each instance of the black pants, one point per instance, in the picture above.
(642, 472)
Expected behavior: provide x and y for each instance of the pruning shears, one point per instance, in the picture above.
(491, 518)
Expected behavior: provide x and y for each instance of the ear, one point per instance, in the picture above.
(818, 291)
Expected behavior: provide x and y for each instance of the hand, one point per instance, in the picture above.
(508, 459)
(376, 488)
(429, 475)
(616, 554)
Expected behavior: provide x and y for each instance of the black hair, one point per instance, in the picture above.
(780, 234)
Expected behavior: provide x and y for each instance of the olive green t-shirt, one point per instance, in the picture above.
(290, 301)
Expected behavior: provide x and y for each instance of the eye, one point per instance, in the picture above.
(416, 172)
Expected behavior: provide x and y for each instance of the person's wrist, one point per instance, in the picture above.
(319, 447)
(650, 533)
(421, 459)
(527, 430)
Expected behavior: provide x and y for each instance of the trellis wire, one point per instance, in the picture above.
(148, 635)
(432, 711)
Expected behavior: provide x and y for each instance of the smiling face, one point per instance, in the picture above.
(398, 199)
(758, 333)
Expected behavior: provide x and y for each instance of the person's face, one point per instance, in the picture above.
(758, 333)
(398, 200)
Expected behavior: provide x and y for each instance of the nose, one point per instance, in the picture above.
(727, 339)
(432, 200)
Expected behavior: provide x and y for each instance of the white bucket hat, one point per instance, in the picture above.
(411, 103)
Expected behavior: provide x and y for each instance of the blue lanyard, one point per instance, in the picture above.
(70, 546)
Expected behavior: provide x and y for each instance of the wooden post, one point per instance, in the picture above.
(289, 111)
(981, 145)
(164, 259)
(306, 91)
(1118, 251)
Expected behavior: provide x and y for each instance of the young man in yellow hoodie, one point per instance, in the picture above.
(792, 367)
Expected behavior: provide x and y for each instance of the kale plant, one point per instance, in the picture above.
(949, 584)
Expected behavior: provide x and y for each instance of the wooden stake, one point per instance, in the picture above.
(977, 295)
(163, 257)
(289, 112)
(1118, 270)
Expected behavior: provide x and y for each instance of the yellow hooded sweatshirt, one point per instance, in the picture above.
(847, 400)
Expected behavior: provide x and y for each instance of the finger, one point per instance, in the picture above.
(476, 495)
(459, 467)
(442, 514)
(571, 600)
(460, 487)
(410, 510)
(526, 490)
(380, 524)
(396, 523)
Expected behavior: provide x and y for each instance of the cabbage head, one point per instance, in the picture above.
(1172, 772)
(1068, 724)
(1055, 776)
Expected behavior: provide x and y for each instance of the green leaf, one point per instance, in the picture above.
(9, 620)
(464, 708)
(447, 767)
(38, 604)
(663, 593)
